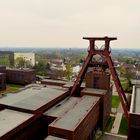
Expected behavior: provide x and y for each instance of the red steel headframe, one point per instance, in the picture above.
(105, 52)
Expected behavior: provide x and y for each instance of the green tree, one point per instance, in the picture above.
(20, 62)
(41, 67)
(126, 83)
(4, 61)
(68, 71)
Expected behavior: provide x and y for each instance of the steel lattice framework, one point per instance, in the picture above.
(92, 51)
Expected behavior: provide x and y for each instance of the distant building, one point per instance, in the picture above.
(116, 64)
(29, 57)
(23, 76)
(2, 81)
(7, 58)
(56, 64)
(129, 67)
(2, 69)
(2, 77)
(76, 69)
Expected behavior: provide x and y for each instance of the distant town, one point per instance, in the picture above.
(65, 63)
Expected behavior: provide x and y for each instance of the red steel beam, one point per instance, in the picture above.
(106, 52)
(117, 83)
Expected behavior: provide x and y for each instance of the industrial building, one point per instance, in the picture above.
(2, 81)
(54, 111)
(47, 110)
(20, 76)
(134, 119)
(17, 76)
(2, 69)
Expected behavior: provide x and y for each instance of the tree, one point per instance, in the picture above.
(4, 60)
(20, 62)
(68, 71)
(41, 67)
(126, 82)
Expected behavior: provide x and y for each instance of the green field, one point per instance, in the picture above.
(115, 101)
(11, 88)
(15, 85)
(109, 124)
(123, 130)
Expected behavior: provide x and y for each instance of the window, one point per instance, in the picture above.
(96, 82)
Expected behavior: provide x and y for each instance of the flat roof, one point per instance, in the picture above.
(70, 84)
(94, 91)
(53, 138)
(62, 107)
(54, 81)
(10, 119)
(23, 70)
(137, 100)
(78, 112)
(32, 98)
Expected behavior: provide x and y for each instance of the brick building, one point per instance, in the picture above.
(2, 81)
(98, 84)
(20, 76)
(97, 79)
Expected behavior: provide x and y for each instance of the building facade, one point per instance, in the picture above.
(28, 57)
(2, 81)
(7, 58)
(23, 76)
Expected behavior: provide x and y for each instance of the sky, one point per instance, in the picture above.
(63, 23)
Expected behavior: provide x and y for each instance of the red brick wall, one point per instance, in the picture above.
(98, 79)
(20, 77)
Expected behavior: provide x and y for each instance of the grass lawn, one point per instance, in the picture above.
(11, 88)
(15, 85)
(109, 124)
(115, 101)
(123, 130)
